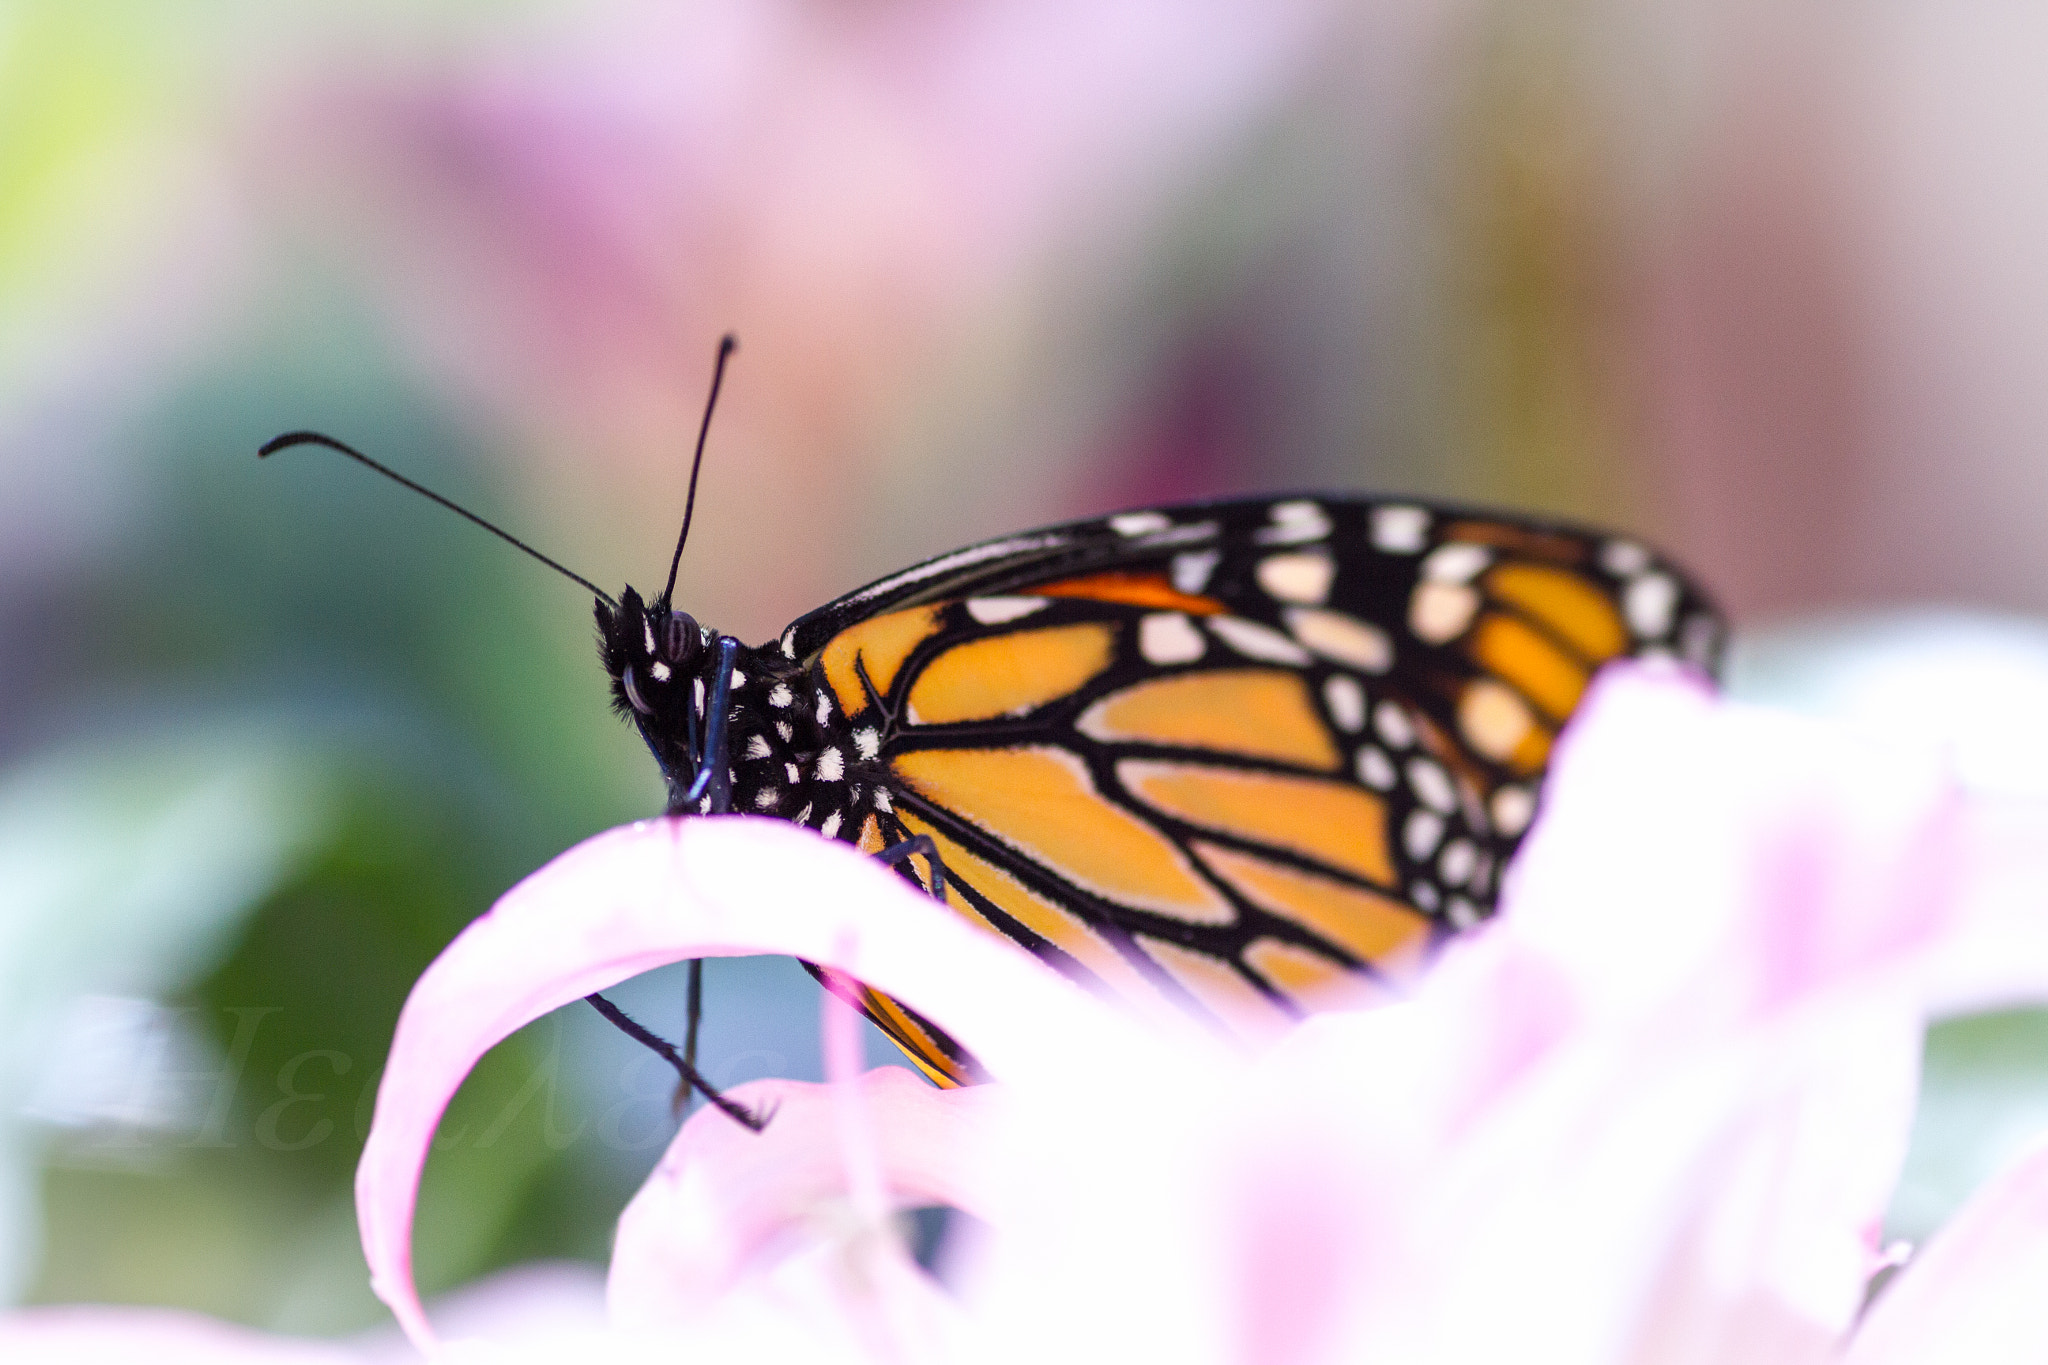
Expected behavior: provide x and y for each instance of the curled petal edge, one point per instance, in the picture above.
(724, 1201)
(661, 891)
(1972, 1294)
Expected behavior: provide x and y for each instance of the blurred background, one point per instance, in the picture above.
(1762, 282)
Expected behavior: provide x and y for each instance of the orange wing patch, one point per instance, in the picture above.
(1499, 725)
(1334, 823)
(1058, 926)
(902, 1027)
(1133, 589)
(1041, 802)
(870, 840)
(1526, 658)
(1311, 980)
(1256, 712)
(1579, 612)
(1009, 674)
(1372, 928)
(881, 645)
(1221, 988)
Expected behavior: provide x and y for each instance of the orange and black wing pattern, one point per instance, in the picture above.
(1250, 758)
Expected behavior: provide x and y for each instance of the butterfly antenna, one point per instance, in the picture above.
(727, 344)
(314, 438)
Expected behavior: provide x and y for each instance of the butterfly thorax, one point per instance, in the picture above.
(786, 748)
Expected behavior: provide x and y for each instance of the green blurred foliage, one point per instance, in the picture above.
(1983, 1101)
(445, 693)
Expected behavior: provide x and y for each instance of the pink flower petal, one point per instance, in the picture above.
(1737, 905)
(124, 1336)
(665, 890)
(532, 1302)
(1734, 854)
(1973, 1294)
(724, 1201)
(1648, 1114)
(839, 1024)
(1998, 956)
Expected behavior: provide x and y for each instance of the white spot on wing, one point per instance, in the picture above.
(1191, 570)
(1457, 862)
(882, 800)
(993, 611)
(1400, 530)
(867, 742)
(1458, 562)
(1493, 718)
(1293, 523)
(1623, 558)
(830, 829)
(1425, 895)
(1648, 602)
(1376, 770)
(791, 769)
(1462, 914)
(1420, 833)
(757, 747)
(1188, 534)
(1257, 641)
(780, 695)
(1432, 786)
(1439, 612)
(1393, 724)
(1139, 523)
(1346, 639)
(1168, 637)
(1513, 808)
(831, 765)
(824, 707)
(1346, 700)
(1302, 576)
(786, 730)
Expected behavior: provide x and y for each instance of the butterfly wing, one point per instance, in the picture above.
(1248, 758)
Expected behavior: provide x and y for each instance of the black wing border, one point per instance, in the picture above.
(1014, 563)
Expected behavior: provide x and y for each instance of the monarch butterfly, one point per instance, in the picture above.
(1250, 757)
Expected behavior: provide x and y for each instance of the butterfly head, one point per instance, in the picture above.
(660, 662)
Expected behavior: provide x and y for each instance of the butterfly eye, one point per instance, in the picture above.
(683, 638)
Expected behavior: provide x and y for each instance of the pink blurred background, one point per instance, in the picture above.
(1763, 280)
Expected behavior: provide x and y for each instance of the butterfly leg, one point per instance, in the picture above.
(918, 845)
(694, 1013)
(665, 1050)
